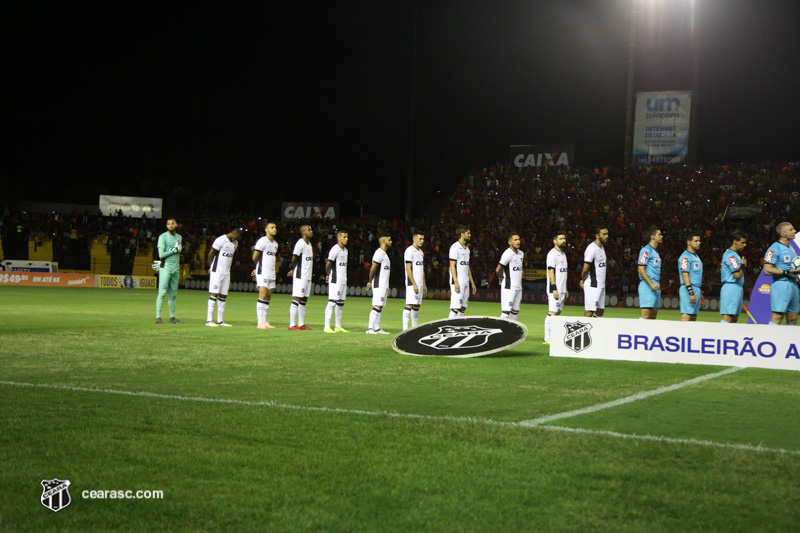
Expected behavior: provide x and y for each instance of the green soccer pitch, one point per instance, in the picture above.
(271, 430)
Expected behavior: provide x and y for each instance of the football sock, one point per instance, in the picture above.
(406, 317)
(547, 320)
(171, 304)
(513, 315)
(210, 314)
(262, 306)
(504, 314)
(301, 314)
(414, 317)
(329, 313)
(159, 303)
(374, 318)
(339, 311)
(220, 308)
(293, 313)
(460, 314)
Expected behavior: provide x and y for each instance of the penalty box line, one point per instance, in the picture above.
(389, 414)
(629, 399)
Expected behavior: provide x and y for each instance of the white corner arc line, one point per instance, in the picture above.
(389, 414)
(634, 398)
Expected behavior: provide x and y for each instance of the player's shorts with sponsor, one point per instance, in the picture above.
(647, 296)
(413, 298)
(687, 307)
(510, 299)
(337, 291)
(219, 283)
(594, 298)
(784, 296)
(301, 288)
(731, 297)
(264, 281)
(379, 296)
(459, 299)
(168, 280)
(555, 305)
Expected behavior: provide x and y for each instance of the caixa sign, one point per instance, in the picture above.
(541, 156)
(309, 210)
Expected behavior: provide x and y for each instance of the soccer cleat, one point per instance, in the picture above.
(262, 325)
(371, 332)
(269, 326)
(224, 324)
(546, 342)
(341, 330)
(159, 321)
(210, 324)
(174, 320)
(382, 332)
(294, 328)
(305, 328)
(328, 330)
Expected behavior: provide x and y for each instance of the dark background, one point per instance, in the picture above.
(235, 107)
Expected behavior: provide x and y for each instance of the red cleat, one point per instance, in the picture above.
(294, 328)
(304, 328)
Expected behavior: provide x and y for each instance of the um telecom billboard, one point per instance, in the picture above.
(661, 129)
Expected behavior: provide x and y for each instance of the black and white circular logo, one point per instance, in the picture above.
(461, 337)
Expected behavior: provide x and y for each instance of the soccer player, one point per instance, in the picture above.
(416, 287)
(460, 273)
(557, 281)
(649, 268)
(170, 245)
(731, 296)
(264, 255)
(690, 267)
(300, 272)
(220, 257)
(594, 269)
(336, 276)
(379, 283)
(509, 274)
(784, 294)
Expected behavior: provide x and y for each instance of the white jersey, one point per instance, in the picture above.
(305, 260)
(381, 279)
(557, 261)
(416, 257)
(595, 257)
(338, 257)
(459, 254)
(266, 262)
(222, 262)
(512, 269)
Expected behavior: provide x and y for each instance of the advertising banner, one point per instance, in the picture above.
(133, 206)
(661, 127)
(37, 279)
(126, 282)
(669, 341)
(29, 266)
(541, 155)
(309, 210)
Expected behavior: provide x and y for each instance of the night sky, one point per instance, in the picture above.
(228, 106)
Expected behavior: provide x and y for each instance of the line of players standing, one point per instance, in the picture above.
(780, 262)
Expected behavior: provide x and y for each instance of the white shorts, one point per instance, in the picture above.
(379, 296)
(337, 292)
(263, 281)
(413, 298)
(555, 306)
(459, 300)
(301, 288)
(219, 283)
(510, 299)
(594, 298)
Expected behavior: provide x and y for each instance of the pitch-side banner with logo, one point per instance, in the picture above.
(126, 282)
(133, 206)
(760, 306)
(40, 279)
(669, 341)
(525, 156)
(661, 127)
(309, 210)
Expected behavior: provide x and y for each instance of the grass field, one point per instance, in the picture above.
(252, 430)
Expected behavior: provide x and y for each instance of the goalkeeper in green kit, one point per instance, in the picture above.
(170, 245)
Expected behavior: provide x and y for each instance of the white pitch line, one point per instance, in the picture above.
(390, 414)
(635, 398)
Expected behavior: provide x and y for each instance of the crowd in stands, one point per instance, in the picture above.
(535, 203)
